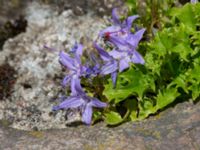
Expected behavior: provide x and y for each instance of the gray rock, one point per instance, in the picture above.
(39, 73)
(177, 128)
(11, 10)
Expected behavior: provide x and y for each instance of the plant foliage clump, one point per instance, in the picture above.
(171, 73)
(131, 80)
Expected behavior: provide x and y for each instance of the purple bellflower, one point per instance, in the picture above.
(193, 1)
(117, 60)
(124, 41)
(73, 64)
(110, 66)
(81, 101)
(118, 27)
(93, 66)
(77, 49)
(124, 46)
(119, 34)
(125, 50)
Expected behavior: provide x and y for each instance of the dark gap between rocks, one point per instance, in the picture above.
(11, 29)
(7, 80)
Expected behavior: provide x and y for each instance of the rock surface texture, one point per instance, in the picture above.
(14, 8)
(177, 128)
(38, 73)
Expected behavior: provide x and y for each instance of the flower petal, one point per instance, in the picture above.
(71, 102)
(77, 61)
(109, 67)
(193, 1)
(129, 21)
(66, 80)
(76, 88)
(104, 55)
(134, 39)
(79, 50)
(66, 60)
(110, 29)
(137, 58)
(123, 64)
(114, 78)
(97, 103)
(115, 17)
(118, 42)
(49, 48)
(87, 115)
(116, 54)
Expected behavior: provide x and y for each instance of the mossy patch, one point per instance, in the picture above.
(36, 134)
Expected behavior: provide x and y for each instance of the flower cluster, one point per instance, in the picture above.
(123, 43)
(124, 46)
(78, 98)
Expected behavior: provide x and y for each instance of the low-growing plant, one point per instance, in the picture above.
(171, 72)
(133, 85)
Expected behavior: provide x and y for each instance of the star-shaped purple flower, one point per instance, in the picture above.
(110, 66)
(193, 1)
(80, 100)
(93, 66)
(124, 42)
(118, 27)
(73, 64)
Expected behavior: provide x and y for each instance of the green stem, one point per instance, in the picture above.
(126, 115)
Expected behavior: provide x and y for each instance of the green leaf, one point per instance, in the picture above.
(183, 50)
(166, 38)
(158, 47)
(195, 72)
(146, 108)
(196, 38)
(130, 82)
(186, 16)
(96, 116)
(195, 88)
(166, 97)
(113, 118)
(152, 63)
(181, 82)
